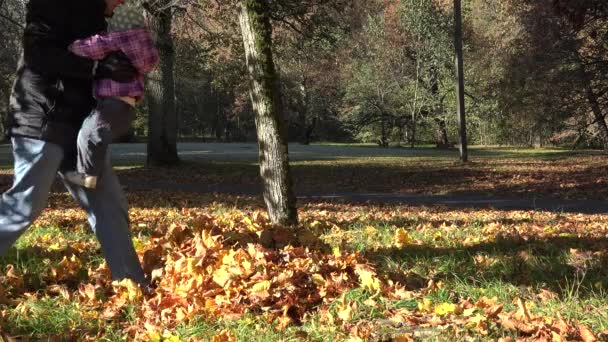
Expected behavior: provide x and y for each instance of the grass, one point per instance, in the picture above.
(493, 262)
(553, 261)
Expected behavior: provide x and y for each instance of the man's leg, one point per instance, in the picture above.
(108, 214)
(36, 164)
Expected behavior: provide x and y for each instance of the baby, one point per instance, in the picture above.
(114, 114)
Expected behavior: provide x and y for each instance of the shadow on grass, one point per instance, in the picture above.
(559, 178)
(496, 172)
(555, 264)
(35, 265)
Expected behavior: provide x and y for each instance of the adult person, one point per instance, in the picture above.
(51, 97)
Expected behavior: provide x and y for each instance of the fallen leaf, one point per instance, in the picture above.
(586, 334)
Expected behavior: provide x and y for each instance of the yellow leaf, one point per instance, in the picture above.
(155, 337)
(317, 279)
(425, 305)
(139, 246)
(54, 247)
(402, 238)
(336, 251)
(261, 286)
(128, 288)
(222, 276)
(475, 321)
(314, 224)
(345, 312)
(169, 337)
(370, 230)
(445, 309)
(368, 278)
(469, 312)
(437, 236)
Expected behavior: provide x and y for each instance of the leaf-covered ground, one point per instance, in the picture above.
(350, 272)
(498, 171)
(501, 172)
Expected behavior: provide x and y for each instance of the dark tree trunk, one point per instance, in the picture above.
(308, 133)
(302, 111)
(462, 131)
(383, 135)
(441, 133)
(266, 99)
(413, 137)
(160, 91)
(441, 138)
(596, 108)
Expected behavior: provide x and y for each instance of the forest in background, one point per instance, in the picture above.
(380, 71)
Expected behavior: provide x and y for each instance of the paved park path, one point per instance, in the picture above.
(247, 152)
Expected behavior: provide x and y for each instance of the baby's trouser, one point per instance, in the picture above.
(111, 119)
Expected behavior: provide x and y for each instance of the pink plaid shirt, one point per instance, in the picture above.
(139, 47)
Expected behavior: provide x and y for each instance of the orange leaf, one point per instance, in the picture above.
(586, 334)
(224, 336)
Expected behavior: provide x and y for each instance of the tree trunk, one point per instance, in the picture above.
(594, 104)
(266, 99)
(302, 111)
(160, 91)
(413, 137)
(441, 133)
(383, 134)
(462, 131)
(441, 138)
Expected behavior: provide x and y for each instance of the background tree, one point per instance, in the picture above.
(462, 125)
(254, 17)
(12, 19)
(160, 88)
(375, 71)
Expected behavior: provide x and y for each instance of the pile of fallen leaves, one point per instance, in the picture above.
(227, 265)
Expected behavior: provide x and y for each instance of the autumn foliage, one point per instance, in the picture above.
(215, 262)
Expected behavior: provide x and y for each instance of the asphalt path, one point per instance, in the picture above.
(248, 152)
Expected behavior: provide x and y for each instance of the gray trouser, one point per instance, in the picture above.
(110, 120)
(36, 165)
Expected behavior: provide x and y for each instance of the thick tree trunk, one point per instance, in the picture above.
(160, 91)
(596, 108)
(266, 99)
(464, 154)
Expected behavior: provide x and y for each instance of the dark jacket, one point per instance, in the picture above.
(52, 93)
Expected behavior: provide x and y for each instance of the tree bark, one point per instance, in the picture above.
(266, 99)
(462, 131)
(160, 91)
(441, 133)
(302, 111)
(596, 108)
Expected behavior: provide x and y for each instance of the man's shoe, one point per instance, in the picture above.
(81, 179)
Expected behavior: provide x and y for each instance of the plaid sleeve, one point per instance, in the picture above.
(95, 47)
(139, 46)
